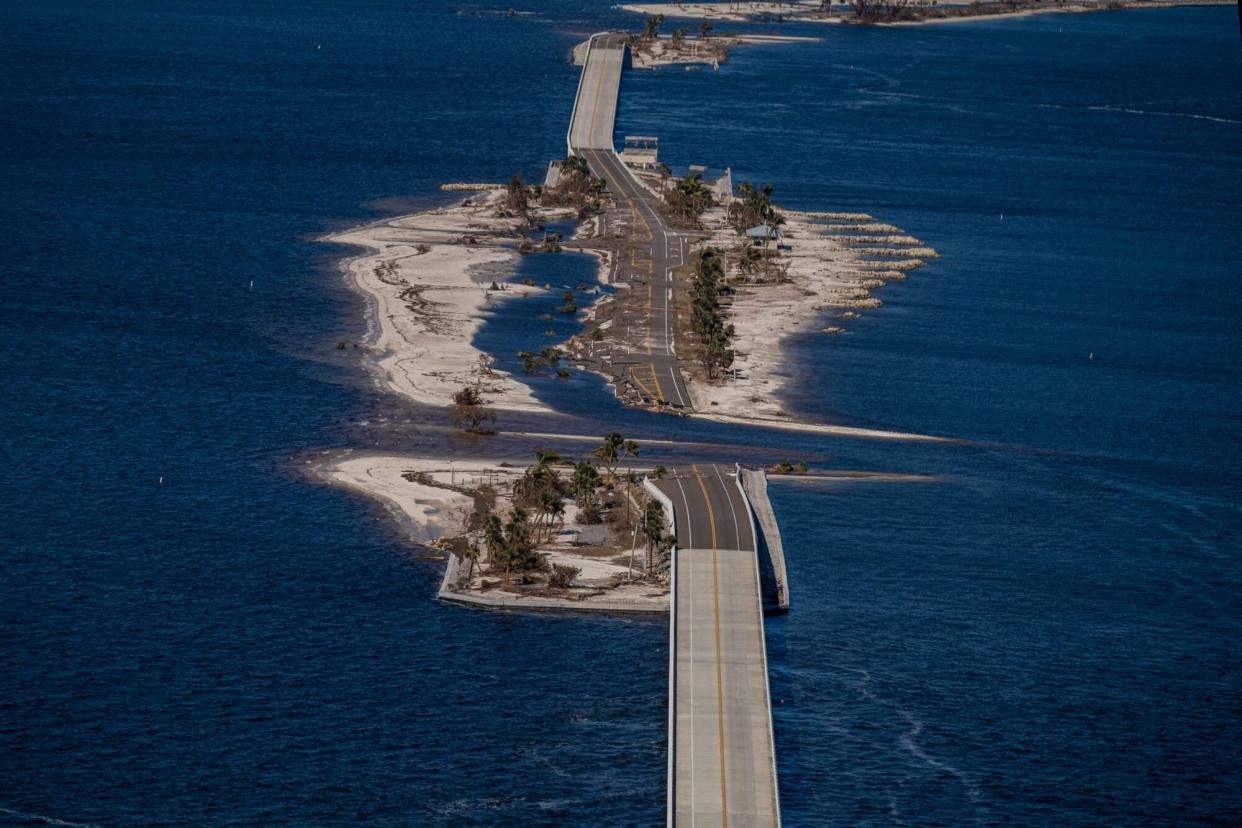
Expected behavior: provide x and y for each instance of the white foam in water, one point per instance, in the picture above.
(46, 820)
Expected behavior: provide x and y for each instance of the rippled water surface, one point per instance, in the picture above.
(192, 632)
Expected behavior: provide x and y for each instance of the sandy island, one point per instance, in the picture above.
(830, 265)
(913, 14)
(428, 277)
(441, 502)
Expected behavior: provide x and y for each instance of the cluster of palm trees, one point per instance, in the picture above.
(651, 26)
(577, 187)
(707, 320)
(539, 513)
(752, 207)
(511, 545)
(518, 197)
(655, 537)
(688, 198)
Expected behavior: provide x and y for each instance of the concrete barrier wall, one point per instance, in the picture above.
(755, 487)
(663, 500)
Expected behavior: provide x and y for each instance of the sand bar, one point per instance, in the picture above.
(428, 277)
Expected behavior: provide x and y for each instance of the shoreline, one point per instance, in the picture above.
(426, 278)
(435, 501)
(809, 11)
(829, 266)
(429, 278)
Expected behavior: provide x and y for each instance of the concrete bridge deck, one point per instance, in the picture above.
(722, 768)
(722, 760)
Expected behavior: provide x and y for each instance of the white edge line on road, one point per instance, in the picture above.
(671, 781)
(763, 647)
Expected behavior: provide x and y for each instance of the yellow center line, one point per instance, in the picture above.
(724, 785)
(655, 377)
(646, 389)
(650, 311)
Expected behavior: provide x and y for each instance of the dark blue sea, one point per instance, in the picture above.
(193, 631)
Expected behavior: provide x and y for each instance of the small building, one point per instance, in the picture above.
(763, 234)
(641, 151)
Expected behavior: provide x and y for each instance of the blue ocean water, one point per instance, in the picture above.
(1044, 634)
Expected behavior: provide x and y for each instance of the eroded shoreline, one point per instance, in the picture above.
(429, 279)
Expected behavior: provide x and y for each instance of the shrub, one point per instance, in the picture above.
(563, 576)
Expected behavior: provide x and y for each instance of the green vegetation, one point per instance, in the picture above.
(577, 187)
(511, 546)
(612, 450)
(538, 513)
(551, 243)
(655, 537)
(786, 467)
(666, 173)
(707, 321)
(549, 357)
(651, 27)
(517, 198)
(688, 198)
(753, 207)
(470, 413)
(563, 576)
(585, 481)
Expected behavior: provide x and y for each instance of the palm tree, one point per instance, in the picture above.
(545, 459)
(494, 540)
(550, 508)
(519, 548)
(631, 450)
(651, 27)
(585, 481)
(539, 476)
(666, 172)
(575, 165)
(611, 451)
(689, 197)
(652, 528)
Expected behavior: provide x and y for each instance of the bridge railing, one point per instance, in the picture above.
(573, 116)
(763, 647)
(663, 500)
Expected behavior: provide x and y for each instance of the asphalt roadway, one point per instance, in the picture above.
(722, 754)
(723, 770)
(654, 250)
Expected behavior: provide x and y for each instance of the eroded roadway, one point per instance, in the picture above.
(654, 249)
(722, 768)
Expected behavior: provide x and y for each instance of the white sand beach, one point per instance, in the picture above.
(832, 263)
(434, 498)
(951, 11)
(428, 278)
